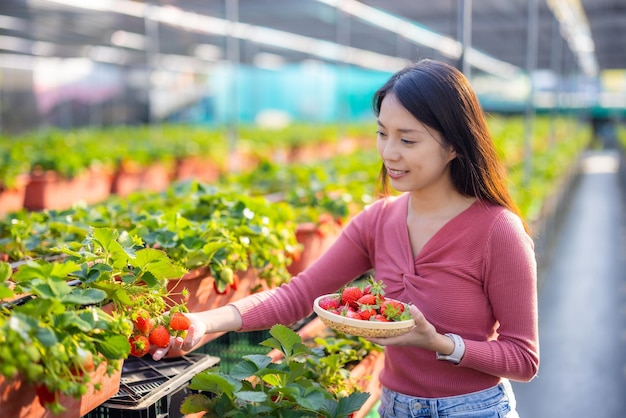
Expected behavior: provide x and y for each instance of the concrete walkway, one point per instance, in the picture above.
(582, 304)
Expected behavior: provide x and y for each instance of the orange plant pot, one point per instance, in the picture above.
(196, 168)
(49, 190)
(19, 399)
(12, 199)
(130, 178)
(314, 243)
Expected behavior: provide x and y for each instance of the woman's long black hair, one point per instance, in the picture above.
(439, 96)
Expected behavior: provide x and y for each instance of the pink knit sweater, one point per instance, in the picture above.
(476, 277)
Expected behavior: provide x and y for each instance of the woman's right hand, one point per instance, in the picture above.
(179, 346)
(222, 319)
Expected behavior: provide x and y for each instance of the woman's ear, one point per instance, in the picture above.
(451, 153)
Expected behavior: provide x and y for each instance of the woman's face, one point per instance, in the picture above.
(414, 154)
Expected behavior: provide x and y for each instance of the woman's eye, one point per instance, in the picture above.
(379, 133)
(407, 141)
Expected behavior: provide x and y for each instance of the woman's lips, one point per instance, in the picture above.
(394, 174)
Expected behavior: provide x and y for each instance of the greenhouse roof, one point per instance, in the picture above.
(376, 34)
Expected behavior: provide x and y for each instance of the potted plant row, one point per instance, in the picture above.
(231, 245)
(66, 325)
(125, 159)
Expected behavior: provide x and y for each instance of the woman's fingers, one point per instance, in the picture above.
(191, 339)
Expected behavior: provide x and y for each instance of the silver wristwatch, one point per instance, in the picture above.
(459, 350)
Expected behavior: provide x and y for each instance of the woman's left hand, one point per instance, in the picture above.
(421, 335)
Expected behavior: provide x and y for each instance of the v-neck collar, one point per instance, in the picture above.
(434, 237)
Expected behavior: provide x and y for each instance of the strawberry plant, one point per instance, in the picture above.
(194, 224)
(259, 387)
(58, 336)
(59, 332)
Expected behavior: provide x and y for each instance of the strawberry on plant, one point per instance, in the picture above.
(45, 395)
(227, 275)
(350, 295)
(139, 345)
(160, 337)
(179, 321)
(142, 321)
(221, 288)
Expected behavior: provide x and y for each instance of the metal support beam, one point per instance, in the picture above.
(531, 65)
(464, 34)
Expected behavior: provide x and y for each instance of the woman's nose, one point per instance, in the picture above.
(389, 151)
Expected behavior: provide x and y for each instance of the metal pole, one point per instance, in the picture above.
(343, 31)
(531, 65)
(232, 111)
(152, 50)
(464, 33)
(556, 58)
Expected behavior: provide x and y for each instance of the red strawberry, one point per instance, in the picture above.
(142, 321)
(45, 395)
(139, 345)
(350, 295)
(329, 303)
(379, 317)
(221, 288)
(160, 337)
(367, 299)
(367, 311)
(349, 313)
(179, 322)
(391, 309)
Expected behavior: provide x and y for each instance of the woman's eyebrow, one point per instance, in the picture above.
(406, 130)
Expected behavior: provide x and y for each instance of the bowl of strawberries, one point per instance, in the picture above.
(364, 312)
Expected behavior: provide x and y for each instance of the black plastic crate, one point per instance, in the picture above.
(232, 346)
(153, 389)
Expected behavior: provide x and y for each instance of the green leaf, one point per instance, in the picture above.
(46, 337)
(146, 256)
(5, 292)
(88, 296)
(50, 289)
(114, 347)
(107, 239)
(313, 399)
(122, 297)
(260, 361)
(243, 369)
(350, 404)
(195, 403)
(5, 271)
(288, 340)
(211, 248)
(251, 396)
(165, 270)
(213, 381)
(69, 320)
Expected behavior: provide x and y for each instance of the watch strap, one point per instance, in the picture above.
(459, 350)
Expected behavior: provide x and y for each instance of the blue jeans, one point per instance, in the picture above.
(494, 402)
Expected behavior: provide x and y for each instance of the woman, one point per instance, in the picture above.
(451, 243)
